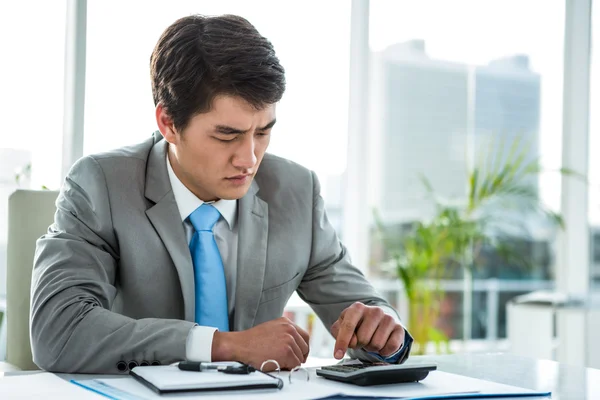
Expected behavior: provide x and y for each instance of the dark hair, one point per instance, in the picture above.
(198, 58)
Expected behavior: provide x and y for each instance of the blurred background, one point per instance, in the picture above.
(403, 108)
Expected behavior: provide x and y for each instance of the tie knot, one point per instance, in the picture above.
(204, 217)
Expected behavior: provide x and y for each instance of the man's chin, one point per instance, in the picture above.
(234, 193)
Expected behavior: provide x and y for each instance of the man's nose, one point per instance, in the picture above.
(244, 157)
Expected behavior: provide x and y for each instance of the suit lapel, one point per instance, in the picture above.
(165, 218)
(252, 257)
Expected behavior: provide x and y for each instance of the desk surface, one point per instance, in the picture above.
(564, 381)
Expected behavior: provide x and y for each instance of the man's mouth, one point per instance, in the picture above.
(239, 179)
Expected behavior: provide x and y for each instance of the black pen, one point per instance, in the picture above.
(197, 366)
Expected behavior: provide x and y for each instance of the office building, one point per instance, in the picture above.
(435, 117)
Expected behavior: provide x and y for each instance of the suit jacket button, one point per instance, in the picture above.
(155, 362)
(132, 364)
(122, 366)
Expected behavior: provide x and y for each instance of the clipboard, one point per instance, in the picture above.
(170, 379)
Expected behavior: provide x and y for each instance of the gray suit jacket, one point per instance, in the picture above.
(113, 277)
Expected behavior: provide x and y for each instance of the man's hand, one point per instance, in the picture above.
(367, 327)
(279, 340)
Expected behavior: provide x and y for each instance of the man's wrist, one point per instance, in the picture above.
(223, 347)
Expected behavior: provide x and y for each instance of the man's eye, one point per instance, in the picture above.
(226, 140)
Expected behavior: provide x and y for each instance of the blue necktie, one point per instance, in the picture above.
(209, 277)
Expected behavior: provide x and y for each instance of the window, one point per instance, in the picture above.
(447, 77)
(311, 118)
(594, 143)
(32, 37)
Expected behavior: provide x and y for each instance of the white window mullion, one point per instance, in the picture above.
(573, 258)
(356, 207)
(75, 53)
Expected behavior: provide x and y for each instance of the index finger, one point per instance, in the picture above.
(346, 330)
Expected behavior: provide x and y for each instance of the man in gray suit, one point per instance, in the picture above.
(120, 279)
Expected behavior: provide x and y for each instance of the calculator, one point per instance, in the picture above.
(367, 374)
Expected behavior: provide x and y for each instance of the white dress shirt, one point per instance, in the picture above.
(199, 341)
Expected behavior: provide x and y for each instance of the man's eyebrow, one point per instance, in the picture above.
(267, 126)
(228, 130)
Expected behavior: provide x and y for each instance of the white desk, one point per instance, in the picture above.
(564, 381)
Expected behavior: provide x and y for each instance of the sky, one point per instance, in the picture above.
(312, 41)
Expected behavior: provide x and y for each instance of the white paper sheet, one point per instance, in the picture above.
(42, 385)
(437, 383)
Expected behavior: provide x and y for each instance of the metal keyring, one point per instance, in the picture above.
(297, 368)
(270, 361)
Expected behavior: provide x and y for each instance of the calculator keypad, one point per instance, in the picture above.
(350, 367)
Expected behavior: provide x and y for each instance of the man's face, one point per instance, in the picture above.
(219, 152)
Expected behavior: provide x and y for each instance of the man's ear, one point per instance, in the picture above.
(165, 124)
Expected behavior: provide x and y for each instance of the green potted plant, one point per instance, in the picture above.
(499, 198)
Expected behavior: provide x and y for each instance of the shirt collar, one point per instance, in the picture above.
(187, 201)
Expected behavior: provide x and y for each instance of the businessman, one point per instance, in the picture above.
(189, 245)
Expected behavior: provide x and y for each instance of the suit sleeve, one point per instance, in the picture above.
(332, 283)
(73, 289)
